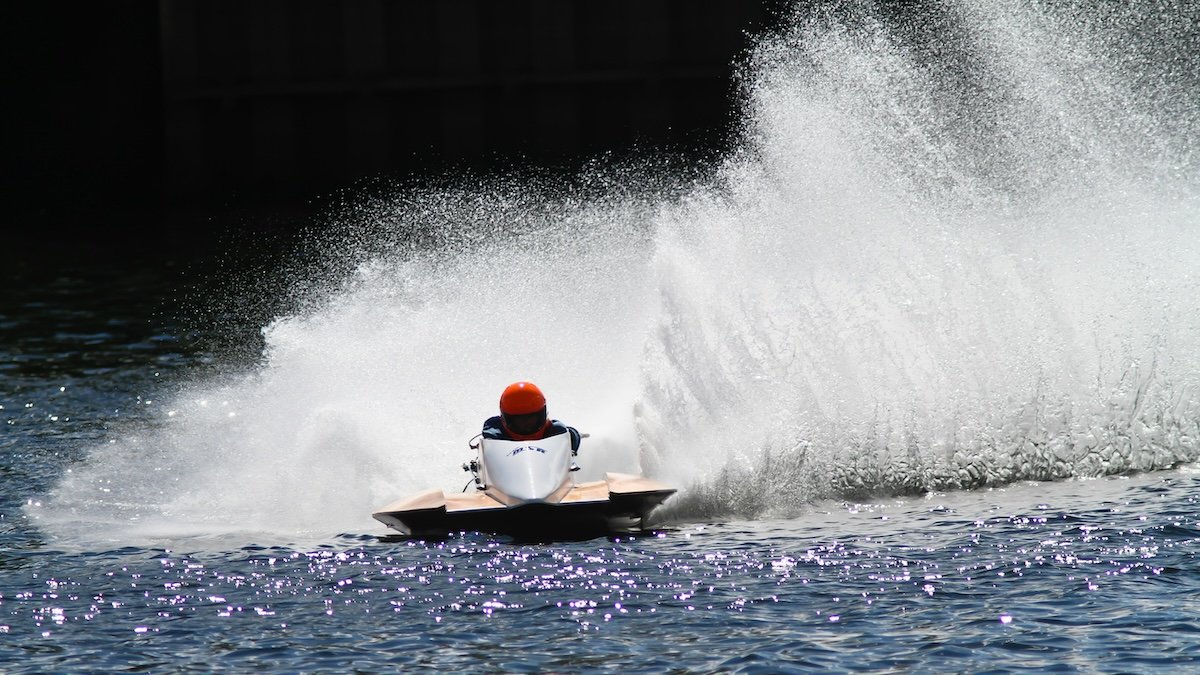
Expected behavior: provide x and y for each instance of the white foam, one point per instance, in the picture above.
(907, 282)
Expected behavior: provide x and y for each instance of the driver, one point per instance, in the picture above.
(523, 417)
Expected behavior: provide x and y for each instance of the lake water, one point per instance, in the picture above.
(923, 357)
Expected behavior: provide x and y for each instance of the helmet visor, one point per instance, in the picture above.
(529, 423)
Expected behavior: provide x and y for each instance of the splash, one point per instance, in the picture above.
(937, 265)
(957, 249)
(373, 388)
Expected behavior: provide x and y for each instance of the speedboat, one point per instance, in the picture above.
(528, 489)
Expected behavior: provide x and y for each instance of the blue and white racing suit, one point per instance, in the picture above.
(492, 428)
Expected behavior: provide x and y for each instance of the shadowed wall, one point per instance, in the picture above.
(127, 109)
(294, 97)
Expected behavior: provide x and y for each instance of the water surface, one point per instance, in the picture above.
(922, 355)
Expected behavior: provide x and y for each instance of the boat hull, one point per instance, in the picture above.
(619, 503)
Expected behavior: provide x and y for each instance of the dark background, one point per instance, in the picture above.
(132, 125)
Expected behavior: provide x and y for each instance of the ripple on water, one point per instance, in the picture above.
(972, 579)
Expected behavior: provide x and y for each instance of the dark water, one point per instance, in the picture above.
(1082, 575)
(922, 355)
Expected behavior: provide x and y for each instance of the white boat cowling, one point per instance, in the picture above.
(526, 472)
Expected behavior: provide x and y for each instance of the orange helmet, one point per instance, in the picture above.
(521, 398)
(523, 411)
